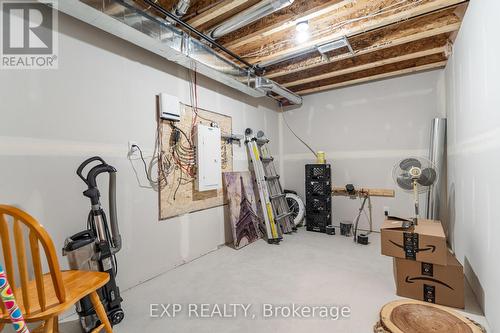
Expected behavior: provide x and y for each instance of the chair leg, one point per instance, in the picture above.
(56, 324)
(48, 326)
(101, 313)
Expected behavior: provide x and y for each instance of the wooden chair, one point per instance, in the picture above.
(44, 297)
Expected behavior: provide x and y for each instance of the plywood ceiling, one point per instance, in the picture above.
(388, 38)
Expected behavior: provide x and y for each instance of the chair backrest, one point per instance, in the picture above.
(36, 235)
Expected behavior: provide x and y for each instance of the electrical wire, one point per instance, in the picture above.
(148, 176)
(291, 130)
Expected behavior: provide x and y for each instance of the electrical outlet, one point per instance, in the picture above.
(131, 148)
(386, 211)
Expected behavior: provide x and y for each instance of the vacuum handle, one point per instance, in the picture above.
(116, 238)
(79, 240)
(84, 164)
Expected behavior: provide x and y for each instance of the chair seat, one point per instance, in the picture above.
(78, 284)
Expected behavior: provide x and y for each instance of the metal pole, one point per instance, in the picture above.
(370, 213)
(358, 217)
(436, 197)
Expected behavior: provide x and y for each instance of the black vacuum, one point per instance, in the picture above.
(95, 248)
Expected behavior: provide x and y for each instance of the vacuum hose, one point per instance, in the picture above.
(116, 238)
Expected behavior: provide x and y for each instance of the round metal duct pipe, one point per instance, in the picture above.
(181, 8)
(248, 16)
(436, 197)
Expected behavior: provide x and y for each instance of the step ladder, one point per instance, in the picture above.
(268, 183)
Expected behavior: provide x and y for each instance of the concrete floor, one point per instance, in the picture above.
(306, 269)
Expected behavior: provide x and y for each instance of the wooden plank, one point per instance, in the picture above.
(7, 252)
(405, 32)
(368, 65)
(277, 47)
(37, 268)
(23, 264)
(373, 192)
(282, 20)
(199, 6)
(435, 65)
(215, 12)
(372, 71)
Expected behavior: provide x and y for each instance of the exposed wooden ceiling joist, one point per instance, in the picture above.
(331, 27)
(403, 67)
(387, 38)
(282, 20)
(386, 75)
(215, 11)
(219, 12)
(197, 7)
(395, 54)
(404, 32)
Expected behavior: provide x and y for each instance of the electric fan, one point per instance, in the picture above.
(415, 175)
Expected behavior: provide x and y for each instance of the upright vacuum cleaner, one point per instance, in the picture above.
(95, 248)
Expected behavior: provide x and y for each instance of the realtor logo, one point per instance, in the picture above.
(29, 39)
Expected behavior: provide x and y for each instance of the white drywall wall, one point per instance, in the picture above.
(473, 102)
(103, 95)
(364, 131)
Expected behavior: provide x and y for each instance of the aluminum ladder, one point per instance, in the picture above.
(265, 162)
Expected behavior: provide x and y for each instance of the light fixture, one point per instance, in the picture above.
(335, 45)
(301, 37)
(302, 26)
(302, 31)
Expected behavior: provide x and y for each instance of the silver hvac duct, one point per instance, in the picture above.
(127, 20)
(181, 8)
(248, 16)
(266, 85)
(436, 197)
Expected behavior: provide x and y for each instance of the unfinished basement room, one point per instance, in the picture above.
(253, 166)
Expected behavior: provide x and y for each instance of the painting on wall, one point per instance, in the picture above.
(244, 216)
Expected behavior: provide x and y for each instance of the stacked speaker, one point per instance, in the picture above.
(318, 197)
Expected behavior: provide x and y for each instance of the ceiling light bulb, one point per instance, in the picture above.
(302, 36)
(302, 26)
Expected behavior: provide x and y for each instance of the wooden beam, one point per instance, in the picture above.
(410, 70)
(215, 12)
(199, 6)
(370, 60)
(401, 33)
(369, 65)
(373, 192)
(282, 20)
(371, 72)
(283, 45)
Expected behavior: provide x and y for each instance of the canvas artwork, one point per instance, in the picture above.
(246, 224)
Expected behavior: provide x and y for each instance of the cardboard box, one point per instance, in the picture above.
(431, 283)
(425, 242)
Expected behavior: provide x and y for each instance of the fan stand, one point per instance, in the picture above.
(409, 224)
(366, 197)
(415, 192)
